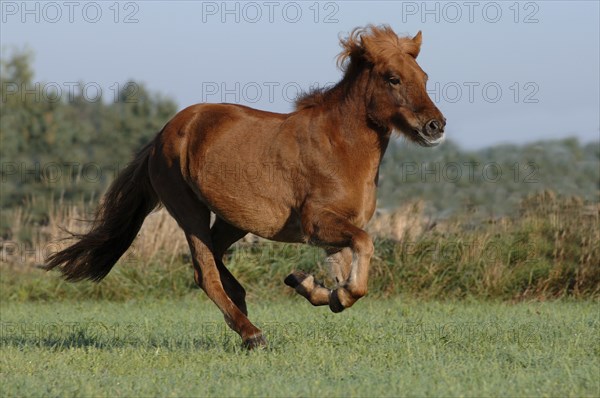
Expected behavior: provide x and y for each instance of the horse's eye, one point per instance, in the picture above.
(394, 81)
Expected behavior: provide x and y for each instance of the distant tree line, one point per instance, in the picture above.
(66, 141)
(492, 180)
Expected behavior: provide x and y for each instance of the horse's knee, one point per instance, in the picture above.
(363, 244)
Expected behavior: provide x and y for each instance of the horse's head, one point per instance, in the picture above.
(396, 97)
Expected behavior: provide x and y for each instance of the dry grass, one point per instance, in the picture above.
(160, 237)
(400, 223)
(550, 249)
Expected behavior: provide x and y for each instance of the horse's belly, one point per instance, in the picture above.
(264, 208)
(262, 219)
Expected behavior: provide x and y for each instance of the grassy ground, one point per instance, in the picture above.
(377, 348)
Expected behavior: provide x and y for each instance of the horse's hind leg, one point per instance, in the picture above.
(194, 218)
(204, 263)
(223, 235)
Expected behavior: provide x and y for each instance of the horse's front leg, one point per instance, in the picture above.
(339, 263)
(330, 230)
(308, 287)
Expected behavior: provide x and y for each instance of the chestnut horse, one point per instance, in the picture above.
(309, 176)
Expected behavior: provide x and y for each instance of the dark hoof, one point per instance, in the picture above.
(255, 342)
(334, 302)
(295, 278)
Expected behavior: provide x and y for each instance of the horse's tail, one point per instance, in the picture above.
(130, 198)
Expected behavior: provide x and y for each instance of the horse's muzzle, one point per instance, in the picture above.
(432, 132)
(435, 128)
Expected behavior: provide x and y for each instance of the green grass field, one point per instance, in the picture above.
(377, 348)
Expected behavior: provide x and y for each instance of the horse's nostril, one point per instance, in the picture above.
(434, 126)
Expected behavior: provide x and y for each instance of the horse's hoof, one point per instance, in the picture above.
(255, 342)
(295, 278)
(334, 302)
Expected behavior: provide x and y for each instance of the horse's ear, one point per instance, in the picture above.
(416, 48)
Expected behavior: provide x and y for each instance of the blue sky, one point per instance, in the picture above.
(500, 71)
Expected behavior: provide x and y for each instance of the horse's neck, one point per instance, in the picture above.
(357, 129)
(343, 115)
